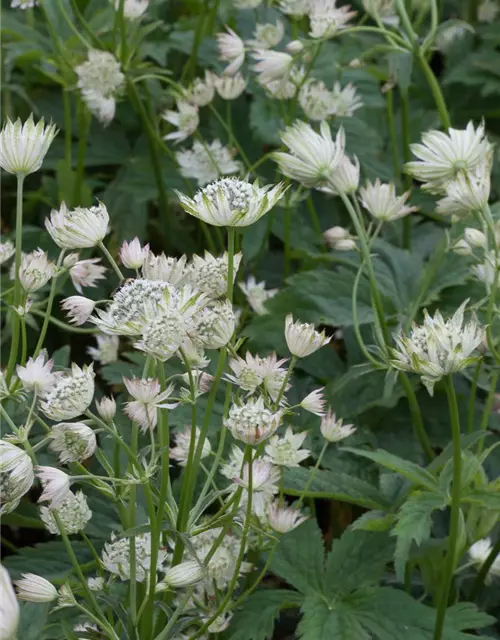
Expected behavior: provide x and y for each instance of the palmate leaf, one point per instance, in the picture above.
(47, 559)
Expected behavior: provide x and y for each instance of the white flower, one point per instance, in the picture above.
(450, 34)
(209, 274)
(284, 519)
(314, 402)
(132, 254)
(486, 271)
(294, 47)
(216, 325)
(116, 557)
(344, 102)
(438, 347)
(284, 89)
(267, 35)
(186, 119)
(148, 397)
(55, 485)
(9, 607)
(383, 204)
(73, 441)
(272, 65)
(286, 451)
(273, 375)
(487, 11)
(182, 575)
(230, 202)
(232, 468)
(315, 100)
(107, 349)
(133, 9)
(33, 588)
(251, 422)
(102, 108)
(7, 250)
(220, 624)
(384, 9)
(16, 475)
(467, 193)
(73, 512)
(334, 430)
(193, 355)
(345, 178)
(79, 228)
(480, 551)
(23, 4)
(265, 477)
(36, 270)
(327, 19)
(37, 374)
(71, 393)
(171, 270)
(207, 164)
(78, 309)
(295, 8)
(100, 81)
(230, 87)
(232, 50)
(257, 294)
(106, 408)
(247, 373)
(85, 273)
(462, 248)
(475, 238)
(443, 156)
(182, 439)
(202, 383)
(201, 92)
(24, 146)
(96, 584)
(314, 157)
(247, 4)
(302, 338)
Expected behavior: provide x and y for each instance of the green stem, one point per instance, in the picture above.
(67, 128)
(436, 90)
(111, 261)
(84, 119)
(311, 475)
(64, 325)
(418, 423)
(230, 262)
(131, 524)
(230, 134)
(487, 410)
(48, 308)
(405, 123)
(483, 572)
(122, 27)
(389, 105)
(450, 562)
(472, 396)
(288, 375)
(16, 321)
(24, 341)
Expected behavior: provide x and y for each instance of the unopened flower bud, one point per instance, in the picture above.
(78, 308)
(33, 588)
(23, 146)
(302, 338)
(462, 248)
(334, 430)
(106, 408)
(132, 254)
(9, 606)
(475, 238)
(335, 234)
(294, 47)
(182, 575)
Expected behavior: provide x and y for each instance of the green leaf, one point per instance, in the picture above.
(335, 622)
(409, 470)
(256, 619)
(299, 558)
(413, 525)
(61, 356)
(357, 559)
(48, 559)
(334, 485)
(32, 619)
(266, 120)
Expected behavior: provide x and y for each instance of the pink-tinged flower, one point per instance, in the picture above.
(55, 485)
(334, 430)
(302, 338)
(232, 50)
(132, 254)
(272, 65)
(85, 273)
(314, 402)
(106, 408)
(284, 519)
(182, 440)
(265, 477)
(37, 374)
(286, 451)
(147, 399)
(78, 308)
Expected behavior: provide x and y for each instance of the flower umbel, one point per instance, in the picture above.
(23, 147)
(79, 228)
(71, 393)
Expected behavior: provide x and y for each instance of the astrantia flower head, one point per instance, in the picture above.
(106, 350)
(443, 156)
(78, 309)
(230, 202)
(480, 551)
(232, 50)
(182, 440)
(313, 157)
(284, 519)
(335, 430)
(132, 254)
(346, 177)
(230, 87)
(171, 270)
(383, 204)
(345, 101)
(24, 146)
(272, 65)
(9, 607)
(106, 408)
(314, 402)
(73, 512)
(302, 338)
(267, 35)
(295, 8)
(73, 441)
(7, 250)
(251, 422)
(385, 10)
(55, 485)
(148, 397)
(132, 9)
(116, 557)
(23, 4)
(487, 11)
(285, 451)
(247, 373)
(257, 294)
(327, 19)
(209, 274)
(182, 575)
(315, 100)
(438, 347)
(488, 270)
(37, 374)
(16, 475)
(467, 193)
(33, 588)
(186, 119)
(201, 92)
(207, 164)
(216, 325)
(71, 393)
(36, 270)
(85, 273)
(78, 228)
(265, 477)
(100, 81)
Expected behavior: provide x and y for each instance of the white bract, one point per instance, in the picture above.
(16, 475)
(182, 440)
(73, 512)
(345, 101)
(201, 92)
(106, 408)
(71, 393)
(467, 193)
(302, 338)
(7, 250)
(333, 429)
(132, 254)
(326, 18)
(267, 35)
(182, 575)
(148, 397)
(78, 228)
(346, 177)
(171, 270)
(186, 119)
(232, 50)
(23, 147)
(251, 422)
(34, 588)
(314, 402)
(55, 485)
(206, 163)
(36, 270)
(209, 274)
(107, 349)
(272, 65)
(230, 87)
(37, 374)
(257, 295)
(285, 451)
(284, 519)
(85, 273)
(78, 309)
(381, 201)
